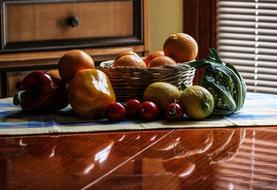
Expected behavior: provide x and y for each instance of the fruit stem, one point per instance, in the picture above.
(183, 86)
(173, 111)
(17, 100)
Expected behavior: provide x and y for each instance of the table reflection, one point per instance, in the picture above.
(236, 158)
(185, 157)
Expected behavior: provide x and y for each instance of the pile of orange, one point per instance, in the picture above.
(177, 48)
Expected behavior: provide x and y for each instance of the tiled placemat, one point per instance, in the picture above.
(259, 110)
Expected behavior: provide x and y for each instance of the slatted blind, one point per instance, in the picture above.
(247, 38)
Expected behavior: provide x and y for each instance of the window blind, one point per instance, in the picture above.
(247, 38)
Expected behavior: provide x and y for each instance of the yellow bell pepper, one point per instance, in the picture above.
(90, 93)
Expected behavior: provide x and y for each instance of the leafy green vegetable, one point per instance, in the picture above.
(224, 82)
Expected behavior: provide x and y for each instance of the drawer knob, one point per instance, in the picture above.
(73, 21)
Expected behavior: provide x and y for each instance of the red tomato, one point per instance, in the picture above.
(149, 111)
(132, 108)
(174, 112)
(116, 112)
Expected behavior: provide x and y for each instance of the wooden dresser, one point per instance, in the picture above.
(36, 33)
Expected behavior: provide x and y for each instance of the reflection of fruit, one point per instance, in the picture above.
(195, 142)
(41, 147)
(162, 93)
(183, 144)
(72, 62)
(84, 155)
(197, 102)
(152, 55)
(181, 47)
(149, 111)
(130, 59)
(226, 144)
(116, 112)
(179, 167)
(161, 60)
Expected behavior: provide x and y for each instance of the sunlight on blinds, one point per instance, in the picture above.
(247, 38)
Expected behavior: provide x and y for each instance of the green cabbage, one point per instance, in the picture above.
(224, 82)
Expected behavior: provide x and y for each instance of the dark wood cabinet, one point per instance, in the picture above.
(36, 33)
(199, 20)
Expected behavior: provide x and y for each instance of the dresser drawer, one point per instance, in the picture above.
(46, 24)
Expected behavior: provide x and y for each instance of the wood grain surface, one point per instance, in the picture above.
(230, 158)
(96, 19)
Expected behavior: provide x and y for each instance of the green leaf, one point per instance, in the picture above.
(199, 63)
(222, 92)
(214, 56)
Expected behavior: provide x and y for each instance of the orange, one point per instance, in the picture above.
(152, 55)
(130, 59)
(126, 52)
(162, 60)
(72, 62)
(54, 73)
(181, 47)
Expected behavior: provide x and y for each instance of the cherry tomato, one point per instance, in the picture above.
(149, 111)
(116, 112)
(174, 112)
(132, 108)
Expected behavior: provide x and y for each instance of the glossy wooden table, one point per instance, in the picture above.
(226, 158)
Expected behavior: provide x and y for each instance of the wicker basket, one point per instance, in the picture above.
(130, 82)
